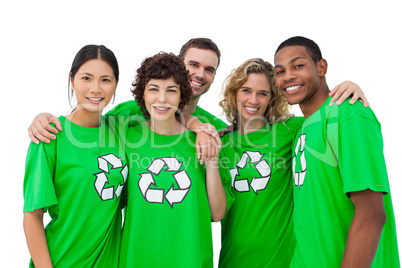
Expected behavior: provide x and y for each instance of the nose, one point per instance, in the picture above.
(200, 72)
(162, 96)
(253, 98)
(96, 87)
(288, 75)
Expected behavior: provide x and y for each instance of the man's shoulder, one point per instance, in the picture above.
(206, 117)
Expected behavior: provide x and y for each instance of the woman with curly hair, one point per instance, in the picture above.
(256, 156)
(171, 198)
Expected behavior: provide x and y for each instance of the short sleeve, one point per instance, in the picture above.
(358, 146)
(39, 190)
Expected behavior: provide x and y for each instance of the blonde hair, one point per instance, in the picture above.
(278, 107)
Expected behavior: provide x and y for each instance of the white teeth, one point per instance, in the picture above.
(197, 84)
(161, 109)
(95, 99)
(251, 109)
(293, 88)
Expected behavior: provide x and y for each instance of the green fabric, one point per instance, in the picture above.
(201, 114)
(206, 117)
(338, 150)
(258, 229)
(168, 219)
(67, 179)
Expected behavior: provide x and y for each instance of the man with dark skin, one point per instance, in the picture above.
(343, 212)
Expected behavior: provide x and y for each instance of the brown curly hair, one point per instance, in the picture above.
(161, 66)
(278, 108)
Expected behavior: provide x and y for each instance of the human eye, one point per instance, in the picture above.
(298, 66)
(106, 80)
(279, 72)
(264, 93)
(245, 90)
(86, 78)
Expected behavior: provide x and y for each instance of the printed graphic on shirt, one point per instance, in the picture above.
(256, 183)
(299, 165)
(157, 195)
(104, 162)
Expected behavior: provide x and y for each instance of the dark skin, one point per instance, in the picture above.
(302, 81)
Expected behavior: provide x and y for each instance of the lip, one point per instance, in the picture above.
(196, 84)
(95, 100)
(292, 89)
(251, 110)
(161, 109)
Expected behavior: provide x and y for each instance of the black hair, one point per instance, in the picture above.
(90, 52)
(311, 47)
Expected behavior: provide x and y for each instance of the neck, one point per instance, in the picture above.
(166, 128)
(191, 106)
(246, 127)
(84, 118)
(308, 107)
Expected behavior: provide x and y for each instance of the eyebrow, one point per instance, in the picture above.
(292, 61)
(153, 85)
(208, 67)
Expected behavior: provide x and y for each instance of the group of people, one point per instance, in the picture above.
(289, 191)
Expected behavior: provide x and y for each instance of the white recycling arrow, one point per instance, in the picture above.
(299, 176)
(101, 178)
(257, 184)
(154, 195)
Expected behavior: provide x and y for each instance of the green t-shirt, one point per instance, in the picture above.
(78, 179)
(338, 150)
(201, 114)
(168, 219)
(258, 229)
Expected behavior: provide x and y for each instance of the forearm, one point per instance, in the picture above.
(363, 238)
(36, 239)
(215, 191)
(191, 122)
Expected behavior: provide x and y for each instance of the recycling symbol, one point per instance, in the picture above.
(256, 183)
(101, 178)
(299, 154)
(172, 196)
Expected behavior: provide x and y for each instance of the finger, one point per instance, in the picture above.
(56, 122)
(45, 125)
(39, 135)
(346, 94)
(198, 150)
(334, 90)
(32, 137)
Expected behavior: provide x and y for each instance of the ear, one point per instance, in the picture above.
(322, 67)
(72, 83)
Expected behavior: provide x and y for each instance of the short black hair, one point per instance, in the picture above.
(312, 48)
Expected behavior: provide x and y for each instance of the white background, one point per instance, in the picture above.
(361, 42)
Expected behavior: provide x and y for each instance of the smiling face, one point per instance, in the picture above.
(94, 85)
(298, 77)
(162, 97)
(252, 100)
(202, 65)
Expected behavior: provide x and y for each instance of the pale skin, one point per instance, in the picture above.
(94, 85)
(295, 69)
(162, 98)
(202, 65)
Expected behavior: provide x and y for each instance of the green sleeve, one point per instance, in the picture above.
(39, 190)
(128, 112)
(358, 145)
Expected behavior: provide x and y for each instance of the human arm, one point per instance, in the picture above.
(36, 238)
(41, 130)
(215, 190)
(346, 89)
(207, 141)
(365, 230)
